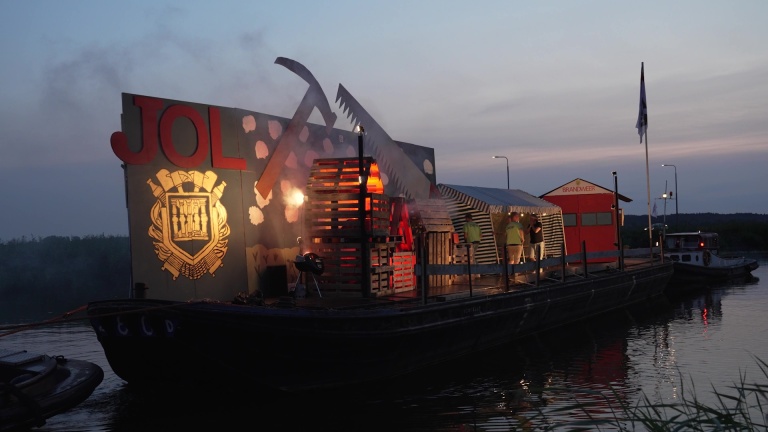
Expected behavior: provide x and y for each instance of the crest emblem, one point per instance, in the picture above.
(189, 224)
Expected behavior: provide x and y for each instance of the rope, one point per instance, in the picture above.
(66, 317)
(62, 318)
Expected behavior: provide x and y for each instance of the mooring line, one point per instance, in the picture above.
(66, 317)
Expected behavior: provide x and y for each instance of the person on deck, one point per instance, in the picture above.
(536, 238)
(515, 238)
(472, 236)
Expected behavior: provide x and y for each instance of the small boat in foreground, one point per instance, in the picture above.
(696, 258)
(35, 387)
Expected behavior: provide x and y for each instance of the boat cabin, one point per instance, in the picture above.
(693, 241)
(695, 248)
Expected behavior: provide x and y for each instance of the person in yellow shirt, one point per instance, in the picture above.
(515, 238)
(472, 235)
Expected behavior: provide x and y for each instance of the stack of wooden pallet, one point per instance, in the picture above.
(332, 219)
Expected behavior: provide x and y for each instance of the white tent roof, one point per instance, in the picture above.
(492, 200)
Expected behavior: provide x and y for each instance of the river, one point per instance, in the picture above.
(660, 351)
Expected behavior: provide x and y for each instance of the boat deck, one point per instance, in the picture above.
(482, 285)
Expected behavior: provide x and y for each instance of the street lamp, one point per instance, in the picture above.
(364, 251)
(504, 157)
(677, 213)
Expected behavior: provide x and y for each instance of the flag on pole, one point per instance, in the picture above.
(642, 115)
(653, 213)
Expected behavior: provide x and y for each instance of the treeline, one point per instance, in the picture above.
(53, 275)
(738, 231)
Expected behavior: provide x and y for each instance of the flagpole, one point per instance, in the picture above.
(642, 129)
(648, 186)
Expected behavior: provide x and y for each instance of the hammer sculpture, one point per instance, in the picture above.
(314, 97)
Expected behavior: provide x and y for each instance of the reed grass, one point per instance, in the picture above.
(741, 407)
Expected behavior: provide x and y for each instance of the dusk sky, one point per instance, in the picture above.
(554, 86)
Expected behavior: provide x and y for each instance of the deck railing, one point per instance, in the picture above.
(463, 269)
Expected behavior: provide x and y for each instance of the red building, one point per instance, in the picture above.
(588, 216)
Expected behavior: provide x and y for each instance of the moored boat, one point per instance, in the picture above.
(321, 343)
(696, 257)
(35, 387)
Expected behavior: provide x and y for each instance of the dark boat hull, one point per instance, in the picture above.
(693, 272)
(295, 348)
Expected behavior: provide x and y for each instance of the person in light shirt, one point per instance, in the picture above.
(515, 238)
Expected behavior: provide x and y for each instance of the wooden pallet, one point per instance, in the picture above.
(343, 272)
(338, 215)
(342, 175)
(432, 215)
(459, 254)
(403, 275)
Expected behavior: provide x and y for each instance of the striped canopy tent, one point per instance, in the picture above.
(489, 207)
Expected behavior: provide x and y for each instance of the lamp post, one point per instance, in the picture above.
(677, 213)
(364, 251)
(618, 221)
(664, 196)
(504, 157)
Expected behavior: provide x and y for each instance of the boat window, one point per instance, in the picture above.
(686, 258)
(674, 257)
(569, 219)
(691, 242)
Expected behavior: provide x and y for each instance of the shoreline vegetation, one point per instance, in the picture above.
(44, 277)
(737, 231)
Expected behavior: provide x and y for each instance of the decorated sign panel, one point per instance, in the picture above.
(215, 195)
